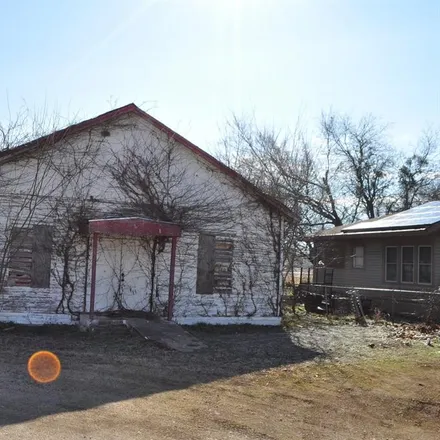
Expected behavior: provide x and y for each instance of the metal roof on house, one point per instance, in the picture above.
(409, 222)
(420, 216)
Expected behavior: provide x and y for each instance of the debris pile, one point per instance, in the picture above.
(421, 332)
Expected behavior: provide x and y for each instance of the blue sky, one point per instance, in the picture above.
(192, 63)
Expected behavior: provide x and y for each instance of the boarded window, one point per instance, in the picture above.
(30, 257)
(20, 257)
(224, 249)
(214, 266)
(206, 264)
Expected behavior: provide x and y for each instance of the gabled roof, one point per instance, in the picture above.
(16, 152)
(420, 219)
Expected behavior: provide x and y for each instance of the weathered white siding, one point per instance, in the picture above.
(124, 267)
(124, 275)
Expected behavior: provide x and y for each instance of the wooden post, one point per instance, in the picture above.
(326, 300)
(86, 278)
(93, 280)
(171, 283)
(392, 307)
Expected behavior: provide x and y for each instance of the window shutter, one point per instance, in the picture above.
(206, 264)
(41, 256)
(214, 266)
(224, 248)
(20, 257)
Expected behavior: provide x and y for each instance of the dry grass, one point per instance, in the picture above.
(387, 397)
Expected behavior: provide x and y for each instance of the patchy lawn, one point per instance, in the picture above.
(336, 381)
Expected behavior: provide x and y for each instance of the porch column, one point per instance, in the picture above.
(171, 283)
(93, 280)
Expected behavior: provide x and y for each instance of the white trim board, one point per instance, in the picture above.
(229, 320)
(36, 318)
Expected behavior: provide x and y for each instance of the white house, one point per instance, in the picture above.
(120, 212)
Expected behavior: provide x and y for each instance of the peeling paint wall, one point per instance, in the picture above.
(124, 266)
(123, 272)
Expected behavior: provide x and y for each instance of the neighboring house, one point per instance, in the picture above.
(387, 258)
(120, 212)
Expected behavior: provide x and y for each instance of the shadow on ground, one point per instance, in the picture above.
(102, 368)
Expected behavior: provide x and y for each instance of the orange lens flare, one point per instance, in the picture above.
(44, 367)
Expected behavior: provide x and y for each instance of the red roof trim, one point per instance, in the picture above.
(132, 108)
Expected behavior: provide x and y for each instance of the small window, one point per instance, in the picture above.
(358, 257)
(425, 265)
(391, 264)
(407, 270)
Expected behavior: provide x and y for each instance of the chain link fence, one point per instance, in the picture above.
(393, 304)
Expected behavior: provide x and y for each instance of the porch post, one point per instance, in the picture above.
(171, 283)
(93, 280)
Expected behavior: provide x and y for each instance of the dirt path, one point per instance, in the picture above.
(250, 384)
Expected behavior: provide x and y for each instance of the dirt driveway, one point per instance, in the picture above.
(338, 382)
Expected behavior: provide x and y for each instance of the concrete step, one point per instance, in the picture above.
(165, 333)
(111, 331)
(110, 326)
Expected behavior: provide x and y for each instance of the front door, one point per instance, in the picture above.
(123, 274)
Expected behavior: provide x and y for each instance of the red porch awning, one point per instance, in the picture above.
(133, 227)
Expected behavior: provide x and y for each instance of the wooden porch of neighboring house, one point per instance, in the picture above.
(322, 288)
(310, 286)
(314, 287)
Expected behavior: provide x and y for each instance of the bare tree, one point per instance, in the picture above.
(366, 159)
(343, 175)
(282, 166)
(418, 175)
(285, 167)
(308, 180)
